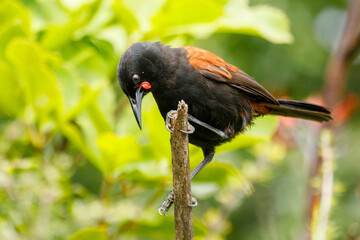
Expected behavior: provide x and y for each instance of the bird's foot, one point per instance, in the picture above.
(194, 202)
(169, 117)
(169, 201)
(190, 130)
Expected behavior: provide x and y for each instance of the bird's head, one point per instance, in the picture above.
(138, 72)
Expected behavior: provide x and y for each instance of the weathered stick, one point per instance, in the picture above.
(181, 174)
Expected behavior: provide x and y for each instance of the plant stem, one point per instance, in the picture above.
(181, 175)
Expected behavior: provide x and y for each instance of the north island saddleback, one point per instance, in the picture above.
(222, 100)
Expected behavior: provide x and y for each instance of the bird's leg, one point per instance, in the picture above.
(192, 129)
(207, 126)
(208, 157)
(169, 200)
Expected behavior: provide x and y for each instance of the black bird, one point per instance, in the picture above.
(222, 100)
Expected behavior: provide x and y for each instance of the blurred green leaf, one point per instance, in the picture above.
(14, 22)
(124, 16)
(263, 130)
(11, 100)
(41, 90)
(261, 20)
(93, 233)
(52, 38)
(178, 13)
(12, 11)
(117, 152)
(182, 17)
(89, 95)
(165, 227)
(234, 16)
(143, 11)
(74, 135)
(147, 170)
(77, 20)
(159, 137)
(98, 118)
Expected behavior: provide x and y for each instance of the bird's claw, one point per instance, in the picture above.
(167, 121)
(191, 129)
(193, 203)
(168, 202)
(168, 128)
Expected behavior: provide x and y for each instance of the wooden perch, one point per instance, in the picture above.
(181, 173)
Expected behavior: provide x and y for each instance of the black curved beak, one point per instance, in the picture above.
(136, 105)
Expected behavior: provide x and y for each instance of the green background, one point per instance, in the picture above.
(74, 165)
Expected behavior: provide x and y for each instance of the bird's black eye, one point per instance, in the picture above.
(136, 78)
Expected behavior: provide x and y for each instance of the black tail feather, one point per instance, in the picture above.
(298, 109)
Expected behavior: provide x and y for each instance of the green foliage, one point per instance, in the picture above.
(95, 233)
(261, 20)
(61, 106)
(73, 163)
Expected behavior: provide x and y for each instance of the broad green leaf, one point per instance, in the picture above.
(70, 90)
(261, 20)
(89, 134)
(14, 22)
(90, 19)
(9, 31)
(58, 35)
(177, 13)
(154, 125)
(116, 36)
(236, 16)
(88, 96)
(11, 99)
(12, 11)
(41, 90)
(90, 233)
(117, 152)
(147, 170)
(73, 134)
(124, 16)
(144, 11)
(90, 61)
(45, 13)
(189, 16)
(98, 118)
(101, 111)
